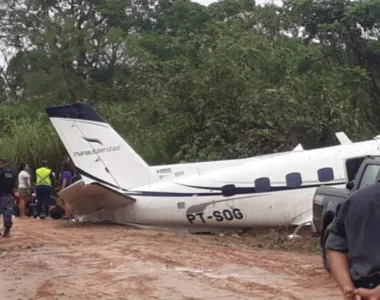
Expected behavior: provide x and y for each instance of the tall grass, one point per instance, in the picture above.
(27, 135)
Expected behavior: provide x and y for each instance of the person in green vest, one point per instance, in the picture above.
(44, 186)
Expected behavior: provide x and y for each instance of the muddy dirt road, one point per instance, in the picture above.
(46, 259)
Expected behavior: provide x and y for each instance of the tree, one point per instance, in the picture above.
(185, 82)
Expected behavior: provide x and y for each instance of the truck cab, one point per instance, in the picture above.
(367, 174)
(361, 172)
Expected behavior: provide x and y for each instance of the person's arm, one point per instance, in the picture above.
(52, 179)
(339, 265)
(337, 252)
(63, 183)
(26, 181)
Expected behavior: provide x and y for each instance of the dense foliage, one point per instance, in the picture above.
(185, 82)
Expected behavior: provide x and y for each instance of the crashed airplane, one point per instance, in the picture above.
(119, 186)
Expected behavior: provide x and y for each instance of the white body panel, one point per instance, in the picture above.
(159, 196)
(165, 172)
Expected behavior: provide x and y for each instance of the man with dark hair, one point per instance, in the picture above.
(44, 185)
(7, 187)
(353, 247)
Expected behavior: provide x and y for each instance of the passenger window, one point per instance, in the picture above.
(181, 205)
(325, 174)
(370, 175)
(181, 173)
(228, 190)
(293, 180)
(262, 185)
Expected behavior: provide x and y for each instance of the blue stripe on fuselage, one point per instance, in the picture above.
(237, 191)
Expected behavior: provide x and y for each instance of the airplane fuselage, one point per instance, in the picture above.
(119, 186)
(276, 191)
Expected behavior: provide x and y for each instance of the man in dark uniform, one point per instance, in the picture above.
(353, 247)
(7, 185)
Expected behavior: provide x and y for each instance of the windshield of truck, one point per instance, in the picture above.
(370, 175)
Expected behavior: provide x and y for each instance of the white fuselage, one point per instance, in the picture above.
(197, 200)
(119, 186)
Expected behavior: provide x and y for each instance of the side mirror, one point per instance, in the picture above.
(350, 185)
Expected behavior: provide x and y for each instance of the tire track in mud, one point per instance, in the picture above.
(117, 262)
(288, 263)
(307, 276)
(269, 260)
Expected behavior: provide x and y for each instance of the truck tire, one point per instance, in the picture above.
(324, 252)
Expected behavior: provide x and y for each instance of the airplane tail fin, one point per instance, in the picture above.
(96, 149)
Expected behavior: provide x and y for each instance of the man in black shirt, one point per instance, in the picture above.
(353, 247)
(7, 185)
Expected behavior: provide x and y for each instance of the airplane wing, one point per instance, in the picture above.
(343, 138)
(303, 218)
(306, 218)
(86, 198)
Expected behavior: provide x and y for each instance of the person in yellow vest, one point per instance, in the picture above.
(44, 187)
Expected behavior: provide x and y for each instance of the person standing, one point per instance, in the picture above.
(7, 187)
(24, 187)
(66, 173)
(44, 185)
(66, 180)
(353, 245)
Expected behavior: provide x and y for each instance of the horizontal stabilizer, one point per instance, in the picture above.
(298, 148)
(86, 198)
(343, 138)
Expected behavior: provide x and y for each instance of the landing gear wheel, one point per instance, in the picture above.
(323, 243)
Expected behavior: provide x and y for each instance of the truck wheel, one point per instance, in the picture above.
(324, 252)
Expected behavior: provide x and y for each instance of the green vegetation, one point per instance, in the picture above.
(184, 82)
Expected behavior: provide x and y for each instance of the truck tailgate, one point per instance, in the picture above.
(322, 196)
